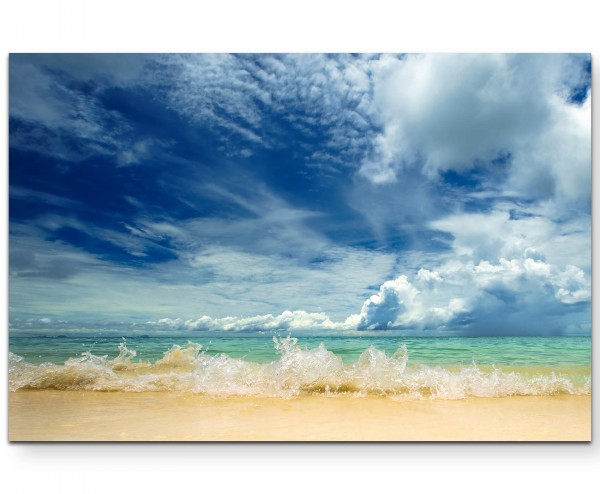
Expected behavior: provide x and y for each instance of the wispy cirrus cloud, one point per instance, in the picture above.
(56, 107)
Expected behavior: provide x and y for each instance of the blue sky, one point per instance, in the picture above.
(424, 194)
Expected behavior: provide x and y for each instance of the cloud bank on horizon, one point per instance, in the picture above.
(427, 194)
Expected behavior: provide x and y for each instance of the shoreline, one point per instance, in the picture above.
(48, 415)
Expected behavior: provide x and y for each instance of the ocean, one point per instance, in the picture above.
(402, 368)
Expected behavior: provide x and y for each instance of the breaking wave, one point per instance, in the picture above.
(188, 369)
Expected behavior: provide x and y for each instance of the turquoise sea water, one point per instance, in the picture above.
(408, 367)
(451, 351)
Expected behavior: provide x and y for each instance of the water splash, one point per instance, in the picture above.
(297, 371)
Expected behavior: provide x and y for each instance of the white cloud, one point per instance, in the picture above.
(398, 303)
(455, 112)
(437, 112)
(71, 124)
(134, 154)
(30, 195)
(522, 295)
(528, 288)
(401, 303)
(101, 68)
(424, 275)
(494, 235)
(240, 94)
(557, 162)
(287, 320)
(233, 95)
(263, 223)
(54, 279)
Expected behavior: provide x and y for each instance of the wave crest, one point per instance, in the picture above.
(188, 369)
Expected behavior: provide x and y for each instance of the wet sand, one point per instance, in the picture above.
(104, 416)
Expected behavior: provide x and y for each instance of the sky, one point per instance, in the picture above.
(337, 194)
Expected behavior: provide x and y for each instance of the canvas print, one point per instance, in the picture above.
(299, 247)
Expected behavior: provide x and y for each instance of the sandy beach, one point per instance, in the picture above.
(100, 416)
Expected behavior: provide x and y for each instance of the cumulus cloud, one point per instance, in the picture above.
(522, 292)
(399, 303)
(498, 234)
(287, 320)
(456, 112)
(522, 295)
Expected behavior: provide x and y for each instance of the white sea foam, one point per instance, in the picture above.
(188, 369)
